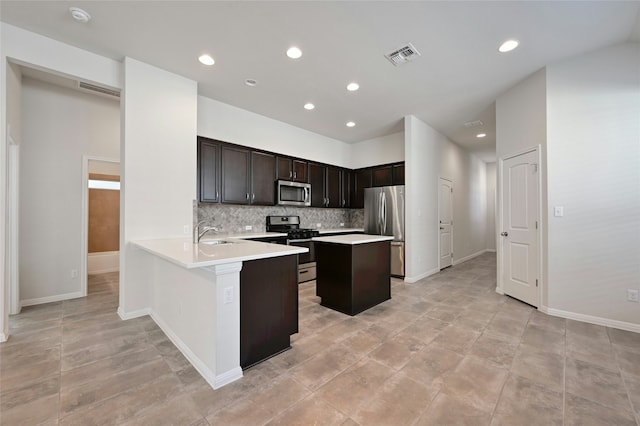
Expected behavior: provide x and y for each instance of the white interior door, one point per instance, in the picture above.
(519, 232)
(445, 216)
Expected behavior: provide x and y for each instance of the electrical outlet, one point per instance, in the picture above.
(558, 211)
(248, 227)
(228, 295)
(186, 229)
(341, 225)
(318, 225)
(632, 295)
(74, 273)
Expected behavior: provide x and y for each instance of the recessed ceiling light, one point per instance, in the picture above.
(352, 87)
(481, 135)
(251, 82)
(350, 124)
(206, 60)
(79, 14)
(294, 52)
(309, 106)
(508, 46)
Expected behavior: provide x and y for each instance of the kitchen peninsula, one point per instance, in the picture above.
(353, 272)
(197, 300)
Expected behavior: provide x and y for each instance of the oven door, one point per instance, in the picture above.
(304, 257)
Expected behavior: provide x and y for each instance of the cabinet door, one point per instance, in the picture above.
(398, 174)
(299, 171)
(346, 187)
(263, 174)
(333, 191)
(317, 175)
(208, 171)
(362, 180)
(285, 171)
(382, 176)
(235, 175)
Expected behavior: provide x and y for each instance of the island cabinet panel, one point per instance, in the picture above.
(268, 307)
(353, 278)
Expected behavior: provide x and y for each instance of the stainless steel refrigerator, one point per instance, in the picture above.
(384, 215)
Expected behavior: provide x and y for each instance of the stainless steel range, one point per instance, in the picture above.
(297, 236)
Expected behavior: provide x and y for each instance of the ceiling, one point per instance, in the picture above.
(455, 80)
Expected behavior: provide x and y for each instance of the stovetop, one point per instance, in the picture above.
(290, 225)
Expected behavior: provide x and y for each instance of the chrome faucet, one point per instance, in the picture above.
(199, 233)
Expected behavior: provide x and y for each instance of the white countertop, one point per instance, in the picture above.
(188, 255)
(352, 239)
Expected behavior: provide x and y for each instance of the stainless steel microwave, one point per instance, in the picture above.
(293, 193)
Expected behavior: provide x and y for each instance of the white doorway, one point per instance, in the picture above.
(519, 223)
(445, 218)
(101, 176)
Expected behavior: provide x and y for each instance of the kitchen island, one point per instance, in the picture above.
(197, 300)
(353, 271)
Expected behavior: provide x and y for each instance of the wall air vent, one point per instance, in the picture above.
(404, 54)
(98, 89)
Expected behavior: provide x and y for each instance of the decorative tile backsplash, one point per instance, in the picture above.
(234, 218)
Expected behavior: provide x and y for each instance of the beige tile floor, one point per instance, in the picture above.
(446, 350)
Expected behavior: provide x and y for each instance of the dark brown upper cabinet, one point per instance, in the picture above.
(382, 176)
(236, 163)
(317, 179)
(291, 169)
(208, 171)
(398, 174)
(333, 191)
(263, 175)
(346, 187)
(362, 180)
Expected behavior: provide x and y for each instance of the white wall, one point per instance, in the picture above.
(468, 174)
(382, 150)
(60, 125)
(491, 206)
(27, 48)
(421, 208)
(521, 123)
(158, 168)
(593, 122)
(227, 123)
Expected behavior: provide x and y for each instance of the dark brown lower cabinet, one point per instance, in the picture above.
(353, 278)
(268, 307)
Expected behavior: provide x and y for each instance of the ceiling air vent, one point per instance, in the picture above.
(404, 54)
(473, 123)
(98, 89)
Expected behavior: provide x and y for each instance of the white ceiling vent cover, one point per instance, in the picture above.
(404, 54)
(98, 89)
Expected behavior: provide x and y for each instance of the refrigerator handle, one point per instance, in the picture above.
(379, 212)
(384, 214)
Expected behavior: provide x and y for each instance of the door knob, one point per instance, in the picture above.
(504, 234)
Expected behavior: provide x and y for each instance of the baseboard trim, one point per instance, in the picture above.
(622, 325)
(49, 299)
(490, 250)
(412, 280)
(103, 262)
(215, 381)
(499, 291)
(134, 314)
(3, 337)
(471, 256)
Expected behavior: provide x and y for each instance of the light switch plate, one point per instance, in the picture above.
(558, 211)
(228, 295)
